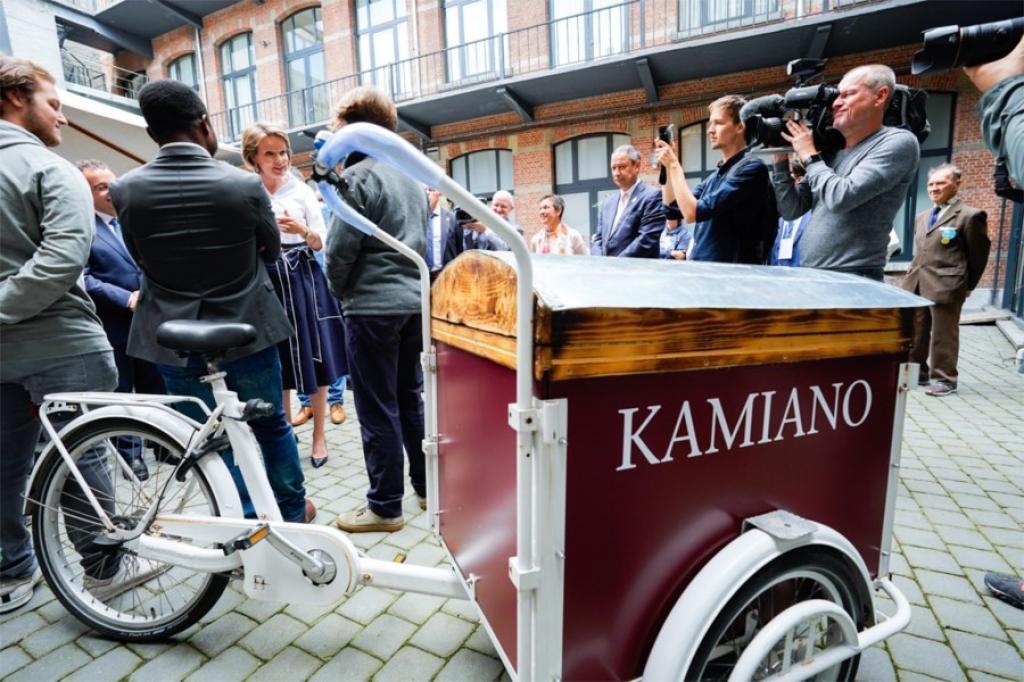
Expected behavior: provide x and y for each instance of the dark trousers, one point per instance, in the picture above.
(387, 383)
(937, 340)
(138, 376)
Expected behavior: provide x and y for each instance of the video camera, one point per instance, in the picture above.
(765, 117)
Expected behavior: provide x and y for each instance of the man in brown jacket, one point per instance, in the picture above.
(950, 252)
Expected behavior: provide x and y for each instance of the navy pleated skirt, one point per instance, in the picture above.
(315, 355)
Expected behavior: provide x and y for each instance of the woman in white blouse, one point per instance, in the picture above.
(314, 356)
(556, 237)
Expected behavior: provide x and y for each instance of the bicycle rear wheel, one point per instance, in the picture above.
(110, 589)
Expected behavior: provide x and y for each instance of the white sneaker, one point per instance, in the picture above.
(134, 571)
(365, 521)
(15, 592)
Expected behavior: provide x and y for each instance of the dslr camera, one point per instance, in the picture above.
(765, 117)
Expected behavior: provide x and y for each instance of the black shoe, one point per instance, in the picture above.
(318, 462)
(1009, 588)
(138, 468)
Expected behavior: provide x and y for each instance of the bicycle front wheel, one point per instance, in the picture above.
(110, 589)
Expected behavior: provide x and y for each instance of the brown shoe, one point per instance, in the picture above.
(310, 511)
(302, 416)
(365, 521)
(337, 413)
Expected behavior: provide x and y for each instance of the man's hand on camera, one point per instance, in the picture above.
(476, 227)
(987, 76)
(665, 154)
(802, 139)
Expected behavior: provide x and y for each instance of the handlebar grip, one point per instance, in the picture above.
(257, 409)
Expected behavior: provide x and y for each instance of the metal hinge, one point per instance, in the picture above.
(523, 420)
(524, 580)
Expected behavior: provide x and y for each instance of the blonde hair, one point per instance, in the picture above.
(256, 133)
(730, 104)
(21, 75)
(367, 103)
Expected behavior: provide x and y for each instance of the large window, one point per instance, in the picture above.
(936, 149)
(583, 177)
(183, 69)
(472, 37)
(302, 37)
(584, 30)
(382, 31)
(706, 16)
(238, 65)
(485, 172)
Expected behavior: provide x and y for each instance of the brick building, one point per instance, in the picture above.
(531, 95)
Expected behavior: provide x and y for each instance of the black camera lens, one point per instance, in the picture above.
(947, 47)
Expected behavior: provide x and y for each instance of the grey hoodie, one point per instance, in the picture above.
(46, 229)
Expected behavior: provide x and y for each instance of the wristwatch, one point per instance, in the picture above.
(811, 159)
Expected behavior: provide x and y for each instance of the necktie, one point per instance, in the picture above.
(116, 227)
(934, 217)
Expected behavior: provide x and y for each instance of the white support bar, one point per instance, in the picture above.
(442, 582)
(905, 383)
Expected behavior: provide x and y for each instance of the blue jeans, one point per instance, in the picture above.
(335, 393)
(254, 376)
(23, 384)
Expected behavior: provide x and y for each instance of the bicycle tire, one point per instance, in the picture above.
(52, 521)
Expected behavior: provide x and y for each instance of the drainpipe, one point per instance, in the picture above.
(201, 74)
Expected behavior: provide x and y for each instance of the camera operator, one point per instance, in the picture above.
(856, 193)
(732, 205)
(1001, 108)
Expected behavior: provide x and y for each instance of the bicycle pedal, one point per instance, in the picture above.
(245, 539)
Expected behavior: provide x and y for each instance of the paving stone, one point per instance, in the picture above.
(12, 658)
(52, 612)
(945, 585)
(463, 608)
(218, 636)
(416, 608)
(174, 664)
(291, 664)
(963, 536)
(384, 636)
(467, 665)
(925, 656)
(53, 666)
(233, 664)
(366, 604)
(148, 652)
(481, 641)
(942, 517)
(875, 665)
(16, 629)
(1009, 616)
(995, 519)
(425, 554)
(918, 537)
(442, 634)
(409, 664)
(923, 623)
(979, 558)
(966, 617)
(308, 613)
(907, 519)
(978, 676)
(988, 655)
(328, 636)
(53, 636)
(113, 665)
(939, 500)
(981, 502)
(271, 637)
(229, 601)
(259, 611)
(95, 646)
(350, 665)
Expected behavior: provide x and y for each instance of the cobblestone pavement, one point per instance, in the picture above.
(960, 513)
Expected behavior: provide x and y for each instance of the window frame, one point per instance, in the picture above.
(587, 37)
(592, 186)
(230, 79)
(397, 82)
(306, 111)
(174, 65)
(496, 152)
(492, 61)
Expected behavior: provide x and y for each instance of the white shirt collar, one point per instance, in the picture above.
(187, 144)
(631, 188)
(105, 217)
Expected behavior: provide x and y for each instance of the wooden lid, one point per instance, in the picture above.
(608, 316)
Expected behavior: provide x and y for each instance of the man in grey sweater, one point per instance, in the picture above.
(856, 193)
(51, 339)
(380, 298)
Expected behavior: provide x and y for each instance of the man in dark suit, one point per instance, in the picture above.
(444, 238)
(951, 247)
(113, 281)
(199, 230)
(631, 221)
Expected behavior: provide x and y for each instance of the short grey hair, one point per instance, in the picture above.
(91, 164)
(629, 150)
(946, 166)
(557, 203)
(503, 194)
(876, 77)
